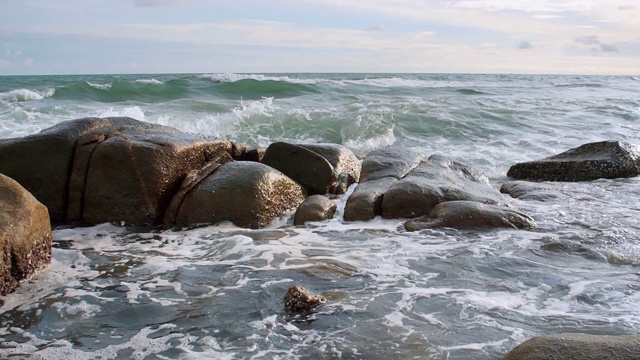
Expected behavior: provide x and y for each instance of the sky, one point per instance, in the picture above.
(274, 36)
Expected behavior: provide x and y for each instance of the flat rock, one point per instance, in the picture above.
(471, 215)
(526, 190)
(388, 162)
(315, 208)
(25, 235)
(248, 194)
(434, 181)
(605, 159)
(577, 347)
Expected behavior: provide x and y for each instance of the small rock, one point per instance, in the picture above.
(315, 208)
(301, 300)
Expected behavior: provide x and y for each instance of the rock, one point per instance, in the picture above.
(526, 190)
(341, 185)
(316, 167)
(434, 181)
(570, 247)
(128, 173)
(471, 215)
(365, 203)
(389, 162)
(315, 208)
(249, 194)
(42, 162)
(340, 157)
(301, 300)
(605, 159)
(25, 235)
(577, 346)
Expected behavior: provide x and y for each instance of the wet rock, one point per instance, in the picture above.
(434, 181)
(130, 172)
(365, 203)
(606, 159)
(342, 184)
(316, 167)
(388, 162)
(25, 235)
(248, 194)
(42, 162)
(301, 300)
(471, 215)
(315, 208)
(570, 247)
(340, 157)
(526, 190)
(577, 346)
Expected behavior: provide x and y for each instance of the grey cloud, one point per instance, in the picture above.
(626, 7)
(608, 48)
(375, 27)
(525, 45)
(588, 40)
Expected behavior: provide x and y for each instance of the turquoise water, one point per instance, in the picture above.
(216, 291)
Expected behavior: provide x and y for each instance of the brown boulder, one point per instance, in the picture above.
(315, 208)
(25, 234)
(577, 347)
(605, 159)
(300, 300)
(248, 194)
(471, 215)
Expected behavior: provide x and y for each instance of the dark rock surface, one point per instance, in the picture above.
(577, 347)
(340, 157)
(315, 208)
(434, 181)
(526, 190)
(25, 235)
(471, 215)
(249, 194)
(388, 162)
(605, 159)
(365, 203)
(300, 300)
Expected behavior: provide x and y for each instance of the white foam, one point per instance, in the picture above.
(103, 87)
(231, 77)
(149, 82)
(21, 95)
(80, 308)
(130, 111)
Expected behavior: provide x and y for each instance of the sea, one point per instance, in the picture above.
(216, 292)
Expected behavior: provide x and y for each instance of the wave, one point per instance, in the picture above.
(232, 77)
(21, 95)
(146, 90)
(254, 87)
(470, 92)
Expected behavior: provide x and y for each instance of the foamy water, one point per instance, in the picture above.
(216, 291)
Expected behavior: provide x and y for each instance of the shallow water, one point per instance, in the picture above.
(216, 291)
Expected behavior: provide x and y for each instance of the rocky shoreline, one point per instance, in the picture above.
(120, 170)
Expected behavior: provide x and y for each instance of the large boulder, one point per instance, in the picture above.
(577, 347)
(248, 194)
(605, 159)
(434, 181)
(42, 162)
(315, 208)
(316, 167)
(25, 234)
(380, 169)
(471, 215)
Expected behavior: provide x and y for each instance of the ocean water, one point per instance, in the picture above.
(216, 291)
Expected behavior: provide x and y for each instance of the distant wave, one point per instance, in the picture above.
(470, 92)
(150, 81)
(20, 95)
(147, 90)
(255, 87)
(231, 78)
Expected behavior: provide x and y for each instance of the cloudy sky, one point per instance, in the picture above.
(465, 36)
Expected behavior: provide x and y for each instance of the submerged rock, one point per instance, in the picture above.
(526, 190)
(315, 208)
(471, 215)
(300, 300)
(577, 346)
(249, 194)
(25, 235)
(605, 159)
